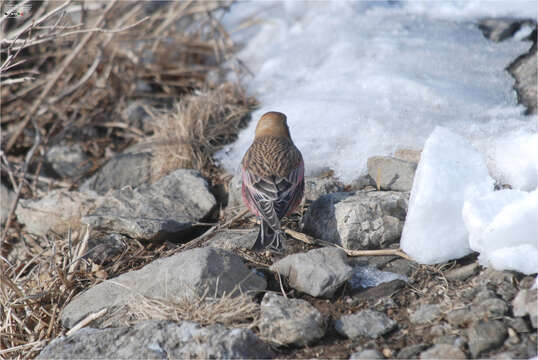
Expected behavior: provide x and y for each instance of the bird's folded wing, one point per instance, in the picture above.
(273, 196)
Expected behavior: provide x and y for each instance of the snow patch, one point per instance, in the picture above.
(503, 228)
(358, 79)
(450, 171)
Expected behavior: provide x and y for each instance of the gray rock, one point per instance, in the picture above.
(6, 198)
(358, 220)
(425, 314)
(366, 323)
(103, 247)
(506, 290)
(181, 275)
(447, 339)
(411, 351)
(443, 351)
(131, 168)
(489, 308)
(490, 276)
(235, 201)
(462, 273)
(390, 173)
(485, 336)
(505, 355)
(136, 116)
(526, 303)
(499, 29)
(503, 282)
(374, 261)
(410, 155)
(315, 187)
(290, 321)
(440, 329)
(527, 282)
(318, 272)
(368, 276)
(524, 69)
(484, 295)
(400, 266)
(169, 206)
(229, 239)
(58, 211)
(158, 340)
(518, 324)
(68, 160)
(381, 291)
(366, 354)
(362, 182)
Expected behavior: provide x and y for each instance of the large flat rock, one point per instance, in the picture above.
(318, 272)
(159, 340)
(290, 321)
(168, 206)
(58, 211)
(185, 274)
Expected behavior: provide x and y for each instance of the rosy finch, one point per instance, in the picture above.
(273, 178)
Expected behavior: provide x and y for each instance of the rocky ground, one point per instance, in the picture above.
(138, 268)
(310, 301)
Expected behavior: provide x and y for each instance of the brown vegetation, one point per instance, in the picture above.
(68, 72)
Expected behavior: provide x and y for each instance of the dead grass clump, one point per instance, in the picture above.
(68, 71)
(45, 276)
(199, 125)
(227, 310)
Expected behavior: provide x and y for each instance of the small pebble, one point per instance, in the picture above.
(387, 353)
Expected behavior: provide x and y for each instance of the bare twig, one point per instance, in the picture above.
(83, 246)
(82, 80)
(33, 42)
(310, 240)
(281, 285)
(29, 157)
(24, 346)
(235, 218)
(88, 319)
(8, 169)
(15, 8)
(22, 30)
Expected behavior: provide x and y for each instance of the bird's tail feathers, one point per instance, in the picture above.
(269, 238)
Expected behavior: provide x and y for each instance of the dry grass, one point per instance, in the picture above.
(203, 309)
(49, 272)
(199, 125)
(77, 70)
(68, 72)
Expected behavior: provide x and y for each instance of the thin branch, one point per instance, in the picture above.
(24, 346)
(8, 169)
(310, 240)
(33, 42)
(29, 157)
(88, 319)
(82, 80)
(39, 21)
(15, 8)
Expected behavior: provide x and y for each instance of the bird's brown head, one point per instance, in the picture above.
(273, 124)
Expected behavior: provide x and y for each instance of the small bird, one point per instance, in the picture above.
(272, 171)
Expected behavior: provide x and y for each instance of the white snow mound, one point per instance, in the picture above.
(450, 171)
(503, 228)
